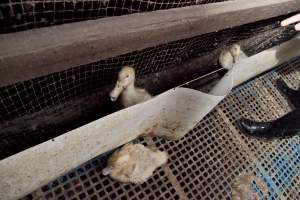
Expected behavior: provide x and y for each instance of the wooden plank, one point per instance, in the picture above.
(34, 53)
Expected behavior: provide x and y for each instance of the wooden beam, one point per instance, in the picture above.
(34, 53)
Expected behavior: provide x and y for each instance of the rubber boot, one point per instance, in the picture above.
(286, 126)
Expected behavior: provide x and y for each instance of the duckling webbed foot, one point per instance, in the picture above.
(292, 95)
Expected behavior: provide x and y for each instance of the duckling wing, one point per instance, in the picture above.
(143, 94)
(226, 59)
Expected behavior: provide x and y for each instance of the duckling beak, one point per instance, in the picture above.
(115, 93)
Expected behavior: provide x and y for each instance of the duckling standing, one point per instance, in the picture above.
(235, 51)
(230, 55)
(130, 95)
(226, 59)
(134, 163)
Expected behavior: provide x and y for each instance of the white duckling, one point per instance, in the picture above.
(235, 51)
(226, 59)
(130, 95)
(231, 55)
(134, 163)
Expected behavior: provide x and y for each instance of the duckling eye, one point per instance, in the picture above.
(127, 75)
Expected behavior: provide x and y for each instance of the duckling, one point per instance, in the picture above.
(130, 94)
(134, 163)
(226, 59)
(242, 190)
(230, 55)
(235, 50)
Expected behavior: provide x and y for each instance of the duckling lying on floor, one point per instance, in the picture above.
(242, 190)
(130, 94)
(134, 163)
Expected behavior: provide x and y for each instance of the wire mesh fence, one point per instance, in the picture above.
(206, 162)
(38, 96)
(43, 92)
(18, 15)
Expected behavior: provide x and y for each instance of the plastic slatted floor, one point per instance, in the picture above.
(205, 163)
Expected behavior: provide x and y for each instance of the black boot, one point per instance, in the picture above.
(286, 126)
(253, 128)
(292, 95)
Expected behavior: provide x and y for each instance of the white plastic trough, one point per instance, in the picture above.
(176, 111)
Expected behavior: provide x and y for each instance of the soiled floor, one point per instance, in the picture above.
(205, 163)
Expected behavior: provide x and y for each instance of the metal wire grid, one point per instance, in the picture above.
(205, 163)
(87, 182)
(19, 15)
(278, 160)
(55, 89)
